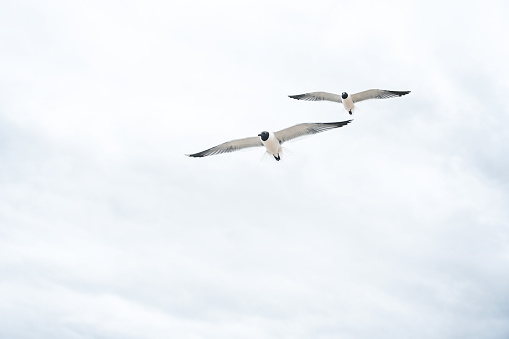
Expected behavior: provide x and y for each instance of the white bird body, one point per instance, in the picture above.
(272, 145)
(348, 104)
(271, 141)
(348, 100)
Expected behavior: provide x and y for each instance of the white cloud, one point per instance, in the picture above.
(392, 226)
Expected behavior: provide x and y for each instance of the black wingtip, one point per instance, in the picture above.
(298, 96)
(344, 123)
(400, 93)
(339, 123)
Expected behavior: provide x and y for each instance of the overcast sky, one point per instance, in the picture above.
(395, 226)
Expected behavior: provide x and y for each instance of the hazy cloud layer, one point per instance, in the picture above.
(394, 226)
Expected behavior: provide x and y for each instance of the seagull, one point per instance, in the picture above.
(347, 99)
(271, 140)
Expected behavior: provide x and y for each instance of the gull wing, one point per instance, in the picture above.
(230, 146)
(317, 96)
(377, 94)
(307, 129)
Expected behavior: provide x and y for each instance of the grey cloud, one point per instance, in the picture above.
(395, 226)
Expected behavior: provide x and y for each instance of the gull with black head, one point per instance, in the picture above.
(348, 100)
(272, 141)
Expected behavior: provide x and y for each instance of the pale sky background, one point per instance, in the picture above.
(395, 226)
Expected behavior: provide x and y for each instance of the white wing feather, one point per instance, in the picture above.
(317, 96)
(377, 94)
(307, 129)
(230, 146)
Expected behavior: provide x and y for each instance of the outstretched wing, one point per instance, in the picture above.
(377, 94)
(306, 129)
(230, 146)
(317, 96)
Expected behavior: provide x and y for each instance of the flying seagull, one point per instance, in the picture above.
(347, 99)
(271, 140)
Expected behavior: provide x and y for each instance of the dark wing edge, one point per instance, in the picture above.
(317, 96)
(301, 97)
(392, 94)
(301, 130)
(377, 94)
(228, 147)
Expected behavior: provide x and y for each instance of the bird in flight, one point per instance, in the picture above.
(272, 141)
(347, 99)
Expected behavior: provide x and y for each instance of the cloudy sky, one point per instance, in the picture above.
(395, 226)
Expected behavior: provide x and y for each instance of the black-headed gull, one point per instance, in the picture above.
(349, 100)
(271, 140)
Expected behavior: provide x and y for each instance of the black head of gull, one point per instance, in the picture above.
(344, 95)
(264, 135)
